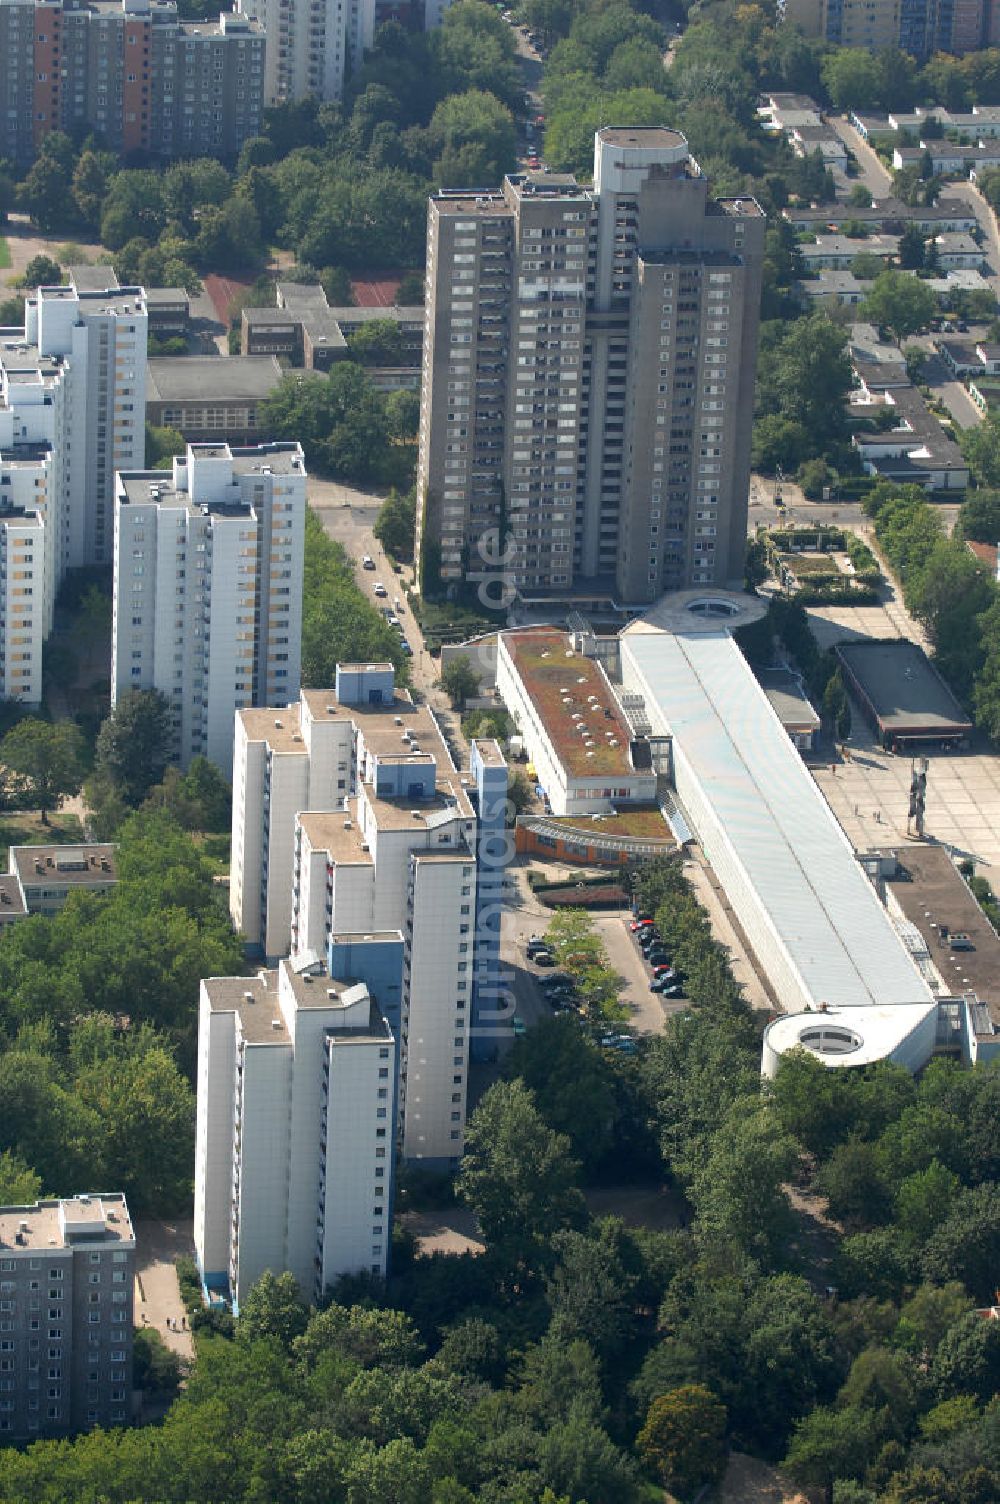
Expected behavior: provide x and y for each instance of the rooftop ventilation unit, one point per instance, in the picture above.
(275, 1023)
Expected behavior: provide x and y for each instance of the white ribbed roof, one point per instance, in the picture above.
(816, 900)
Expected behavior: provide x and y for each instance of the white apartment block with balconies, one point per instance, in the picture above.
(208, 588)
(286, 760)
(294, 1137)
(72, 408)
(355, 839)
(98, 339)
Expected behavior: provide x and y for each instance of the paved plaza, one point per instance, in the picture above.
(870, 797)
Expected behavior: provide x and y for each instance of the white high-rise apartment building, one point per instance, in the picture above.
(72, 409)
(355, 838)
(208, 587)
(587, 394)
(294, 1142)
(99, 339)
(312, 45)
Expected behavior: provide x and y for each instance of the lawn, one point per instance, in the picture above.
(25, 828)
(5, 261)
(642, 823)
(803, 565)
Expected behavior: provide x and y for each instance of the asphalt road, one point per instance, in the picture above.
(871, 170)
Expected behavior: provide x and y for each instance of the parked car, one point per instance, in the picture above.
(405, 648)
(537, 942)
(397, 604)
(367, 562)
(520, 1027)
(380, 590)
(648, 937)
(660, 984)
(639, 924)
(673, 989)
(556, 980)
(543, 958)
(623, 1042)
(658, 958)
(660, 968)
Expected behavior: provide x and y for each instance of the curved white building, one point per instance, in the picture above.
(834, 959)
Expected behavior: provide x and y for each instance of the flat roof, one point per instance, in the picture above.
(648, 137)
(203, 378)
(255, 1001)
(63, 864)
(932, 893)
(574, 703)
(904, 689)
(280, 728)
(785, 692)
(761, 808)
(336, 831)
(92, 278)
(102, 1217)
(11, 898)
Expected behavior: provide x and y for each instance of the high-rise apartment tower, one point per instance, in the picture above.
(144, 80)
(67, 1271)
(208, 587)
(589, 359)
(294, 1140)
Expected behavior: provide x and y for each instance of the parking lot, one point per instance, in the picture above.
(525, 916)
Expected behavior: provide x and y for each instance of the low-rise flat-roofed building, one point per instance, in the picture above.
(831, 954)
(47, 875)
(890, 214)
(915, 449)
(925, 888)
(585, 755)
(791, 705)
(209, 397)
(73, 1259)
(902, 693)
(306, 331)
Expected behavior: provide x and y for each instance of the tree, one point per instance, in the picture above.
(859, 197)
(90, 185)
(902, 303)
(738, 1191)
(402, 411)
(459, 680)
(45, 193)
(133, 744)
(574, 1083)
(473, 140)
(804, 377)
(517, 1175)
(396, 522)
(42, 271)
(980, 446)
(46, 761)
(912, 248)
(155, 1367)
(683, 1439)
(853, 78)
(162, 444)
(273, 1308)
(831, 1443)
(979, 517)
(19, 1185)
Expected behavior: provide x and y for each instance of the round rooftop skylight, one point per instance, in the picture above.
(713, 606)
(830, 1039)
